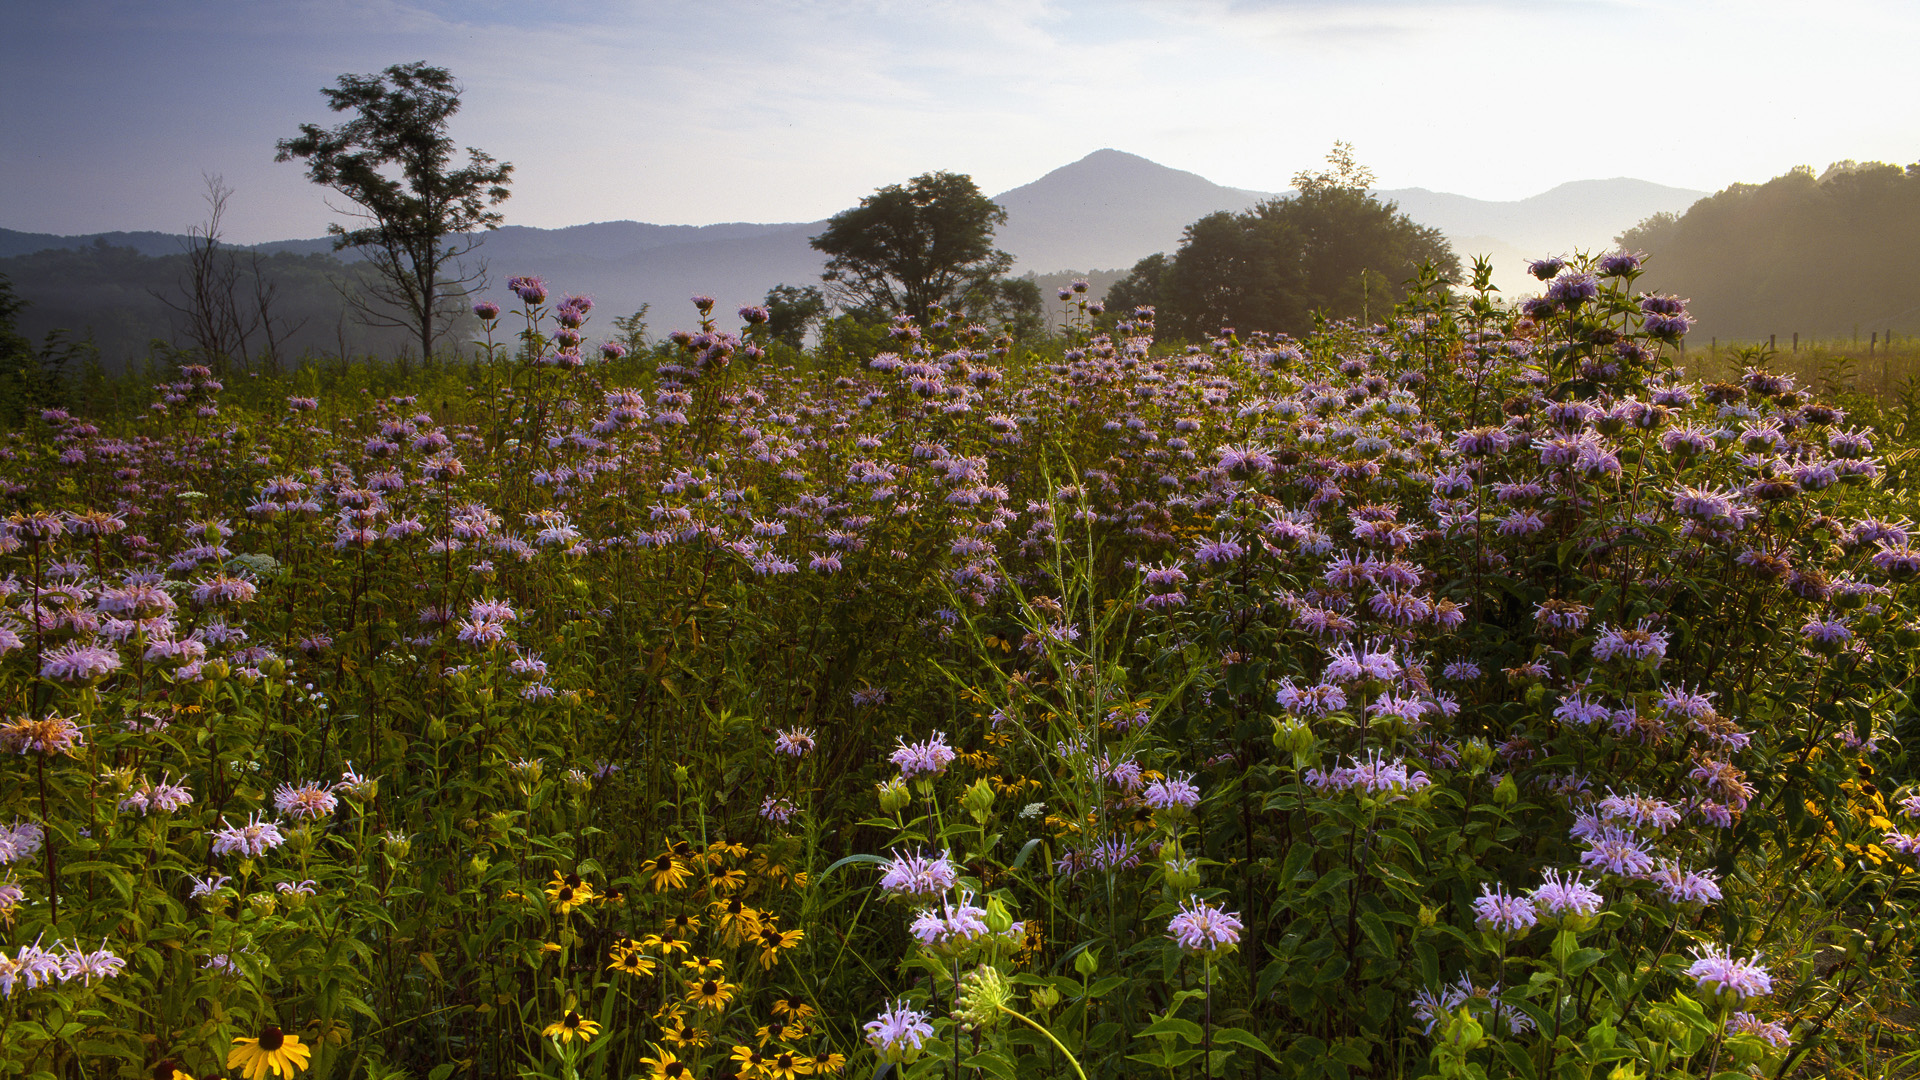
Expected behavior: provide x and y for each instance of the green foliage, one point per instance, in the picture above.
(1332, 250)
(401, 123)
(908, 247)
(1822, 255)
(793, 310)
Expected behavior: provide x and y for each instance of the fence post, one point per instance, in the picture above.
(1796, 341)
(1873, 342)
(1770, 341)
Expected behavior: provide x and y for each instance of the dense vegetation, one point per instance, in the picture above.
(1827, 255)
(1332, 249)
(1469, 694)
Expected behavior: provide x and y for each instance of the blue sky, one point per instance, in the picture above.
(785, 110)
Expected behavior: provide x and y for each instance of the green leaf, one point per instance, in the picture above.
(1242, 1037)
(1377, 934)
(862, 858)
(1172, 1026)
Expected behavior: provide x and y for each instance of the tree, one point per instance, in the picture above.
(211, 310)
(401, 125)
(1332, 247)
(792, 309)
(906, 248)
(1142, 287)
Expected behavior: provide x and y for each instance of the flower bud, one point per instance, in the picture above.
(979, 800)
(1044, 997)
(894, 796)
(983, 993)
(1507, 792)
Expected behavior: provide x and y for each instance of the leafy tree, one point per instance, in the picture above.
(792, 310)
(1142, 287)
(905, 248)
(1332, 247)
(1825, 254)
(401, 123)
(30, 379)
(1010, 303)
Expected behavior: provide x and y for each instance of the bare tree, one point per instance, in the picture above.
(212, 312)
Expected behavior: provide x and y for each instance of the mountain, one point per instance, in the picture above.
(1103, 212)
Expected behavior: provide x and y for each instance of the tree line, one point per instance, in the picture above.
(1824, 255)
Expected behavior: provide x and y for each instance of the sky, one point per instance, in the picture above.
(791, 110)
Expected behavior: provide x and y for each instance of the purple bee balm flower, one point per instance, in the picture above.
(1638, 644)
(1201, 927)
(953, 927)
(794, 742)
(1223, 550)
(1678, 886)
(1174, 791)
(913, 874)
(898, 1034)
(1745, 1023)
(1617, 851)
(531, 290)
(1639, 811)
(1546, 269)
(253, 839)
(1722, 974)
(78, 663)
(487, 310)
(1502, 913)
(1564, 895)
(309, 800)
(931, 757)
(778, 810)
(1620, 263)
(1571, 290)
(613, 350)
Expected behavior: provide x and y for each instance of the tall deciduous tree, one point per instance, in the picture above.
(394, 160)
(906, 247)
(1331, 247)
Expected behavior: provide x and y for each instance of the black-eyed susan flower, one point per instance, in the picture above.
(668, 872)
(711, 993)
(272, 1050)
(737, 922)
(630, 961)
(829, 1064)
(787, 1064)
(665, 1065)
(169, 1069)
(721, 850)
(568, 892)
(774, 941)
(780, 1031)
(791, 1007)
(666, 943)
(728, 880)
(570, 1027)
(679, 1032)
(685, 924)
(703, 966)
(751, 1062)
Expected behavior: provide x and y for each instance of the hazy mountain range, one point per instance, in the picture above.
(1101, 213)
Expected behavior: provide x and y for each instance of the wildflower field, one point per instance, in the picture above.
(1470, 695)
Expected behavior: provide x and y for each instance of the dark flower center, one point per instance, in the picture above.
(272, 1038)
(663, 864)
(709, 988)
(570, 1021)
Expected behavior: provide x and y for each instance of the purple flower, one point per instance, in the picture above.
(253, 839)
(532, 291)
(1617, 851)
(951, 928)
(778, 810)
(794, 742)
(931, 757)
(1174, 791)
(1636, 645)
(1679, 886)
(1620, 263)
(913, 874)
(1722, 974)
(898, 1034)
(1546, 269)
(1502, 913)
(1564, 895)
(1745, 1023)
(309, 800)
(487, 310)
(1201, 927)
(78, 663)
(20, 840)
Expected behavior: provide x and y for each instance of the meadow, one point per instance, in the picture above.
(1479, 693)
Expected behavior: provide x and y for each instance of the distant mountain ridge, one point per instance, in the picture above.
(1102, 212)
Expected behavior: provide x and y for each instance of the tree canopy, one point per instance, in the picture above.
(907, 247)
(1819, 255)
(400, 124)
(1331, 247)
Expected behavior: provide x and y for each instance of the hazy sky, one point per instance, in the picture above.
(790, 110)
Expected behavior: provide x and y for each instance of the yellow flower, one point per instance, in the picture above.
(569, 892)
(274, 1049)
(681, 1033)
(629, 962)
(787, 1065)
(570, 1027)
(684, 924)
(829, 1063)
(703, 966)
(751, 1061)
(668, 872)
(549, 947)
(792, 1007)
(666, 1066)
(726, 881)
(781, 1031)
(666, 941)
(710, 993)
(736, 920)
(773, 941)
